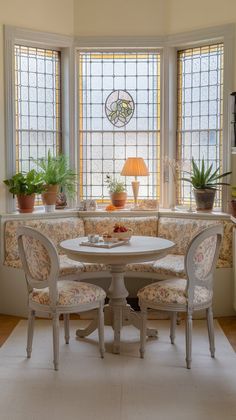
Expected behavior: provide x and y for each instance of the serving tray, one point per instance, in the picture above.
(102, 244)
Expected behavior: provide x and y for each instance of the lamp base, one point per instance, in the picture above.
(135, 187)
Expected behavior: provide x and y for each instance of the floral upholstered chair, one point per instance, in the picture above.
(186, 295)
(51, 296)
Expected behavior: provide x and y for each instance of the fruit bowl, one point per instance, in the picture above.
(121, 232)
(122, 236)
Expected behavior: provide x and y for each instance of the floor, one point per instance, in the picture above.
(8, 323)
(124, 387)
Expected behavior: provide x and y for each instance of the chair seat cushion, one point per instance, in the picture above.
(170, 265)
(70, 293)
(68, 266)
(172, 291)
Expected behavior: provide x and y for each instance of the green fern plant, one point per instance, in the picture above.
(202, 177)
(55, 170)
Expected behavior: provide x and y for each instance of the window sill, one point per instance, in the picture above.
(215, 215)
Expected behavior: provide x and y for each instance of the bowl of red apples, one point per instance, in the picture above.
(121, 232)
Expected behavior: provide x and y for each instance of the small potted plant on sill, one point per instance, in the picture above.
(233, 201)
(56, 175)
(25, 187)
(205, 182)
(117, 192)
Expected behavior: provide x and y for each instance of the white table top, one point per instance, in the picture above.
(140, 248)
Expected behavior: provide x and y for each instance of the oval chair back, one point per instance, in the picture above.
(40, 261)
(201, 259)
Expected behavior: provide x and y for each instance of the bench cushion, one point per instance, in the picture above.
(144, 226)
(68, 266)
(182, 231)
(56, 229)
(170, 265)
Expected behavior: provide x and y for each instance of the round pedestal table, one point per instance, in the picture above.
(138, 249)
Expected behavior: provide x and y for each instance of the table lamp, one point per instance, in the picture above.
(135, 166)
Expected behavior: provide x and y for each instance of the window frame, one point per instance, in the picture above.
(119, 50)
(220, 34)
(18, 36)
(168, 47)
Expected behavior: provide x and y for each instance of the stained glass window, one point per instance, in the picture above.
(200, 111)
(104, 146)
(37, 104)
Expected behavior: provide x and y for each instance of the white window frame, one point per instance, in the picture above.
(18, 36)
(220, 34)
(168, 45)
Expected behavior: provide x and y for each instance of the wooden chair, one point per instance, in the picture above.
(180, 295)
(48, 294)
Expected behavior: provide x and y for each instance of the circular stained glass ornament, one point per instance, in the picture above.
(119, 108)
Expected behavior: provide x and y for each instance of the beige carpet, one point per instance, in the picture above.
(120, 387)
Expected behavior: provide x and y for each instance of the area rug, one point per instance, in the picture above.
(119, 387)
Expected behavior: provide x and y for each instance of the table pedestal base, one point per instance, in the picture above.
(120, 313)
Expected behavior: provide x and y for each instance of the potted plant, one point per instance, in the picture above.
(205, 182)
(117, 191)
(25, 186)
(233, 201)
(56, 174)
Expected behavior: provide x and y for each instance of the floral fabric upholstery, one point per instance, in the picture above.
(144, 226)
(170, 265)
(173, 291)
(68, 266)
(70, 293)
(56, 229)
(203, 257)
(38, 260)
(182, 231)
(179, 230)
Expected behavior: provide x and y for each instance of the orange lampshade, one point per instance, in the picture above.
(135, 166)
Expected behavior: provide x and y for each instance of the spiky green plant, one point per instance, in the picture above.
(55, 170)
(205, 178)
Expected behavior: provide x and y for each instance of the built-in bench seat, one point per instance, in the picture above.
(177, 229)
(61, 226)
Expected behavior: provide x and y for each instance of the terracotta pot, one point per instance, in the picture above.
(49, 197)
(119, 199)
(26, 203)
(233, 206)
(204, 199)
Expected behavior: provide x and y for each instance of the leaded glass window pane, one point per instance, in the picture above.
(199, 112)
(37, 104)
(105, 142)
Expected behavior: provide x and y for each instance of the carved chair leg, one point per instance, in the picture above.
(143, 330)
(188, 337)
(173, 321)
(55, 325)
(67, 327)
(101, 330)
(210, 327)
(30, 332)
